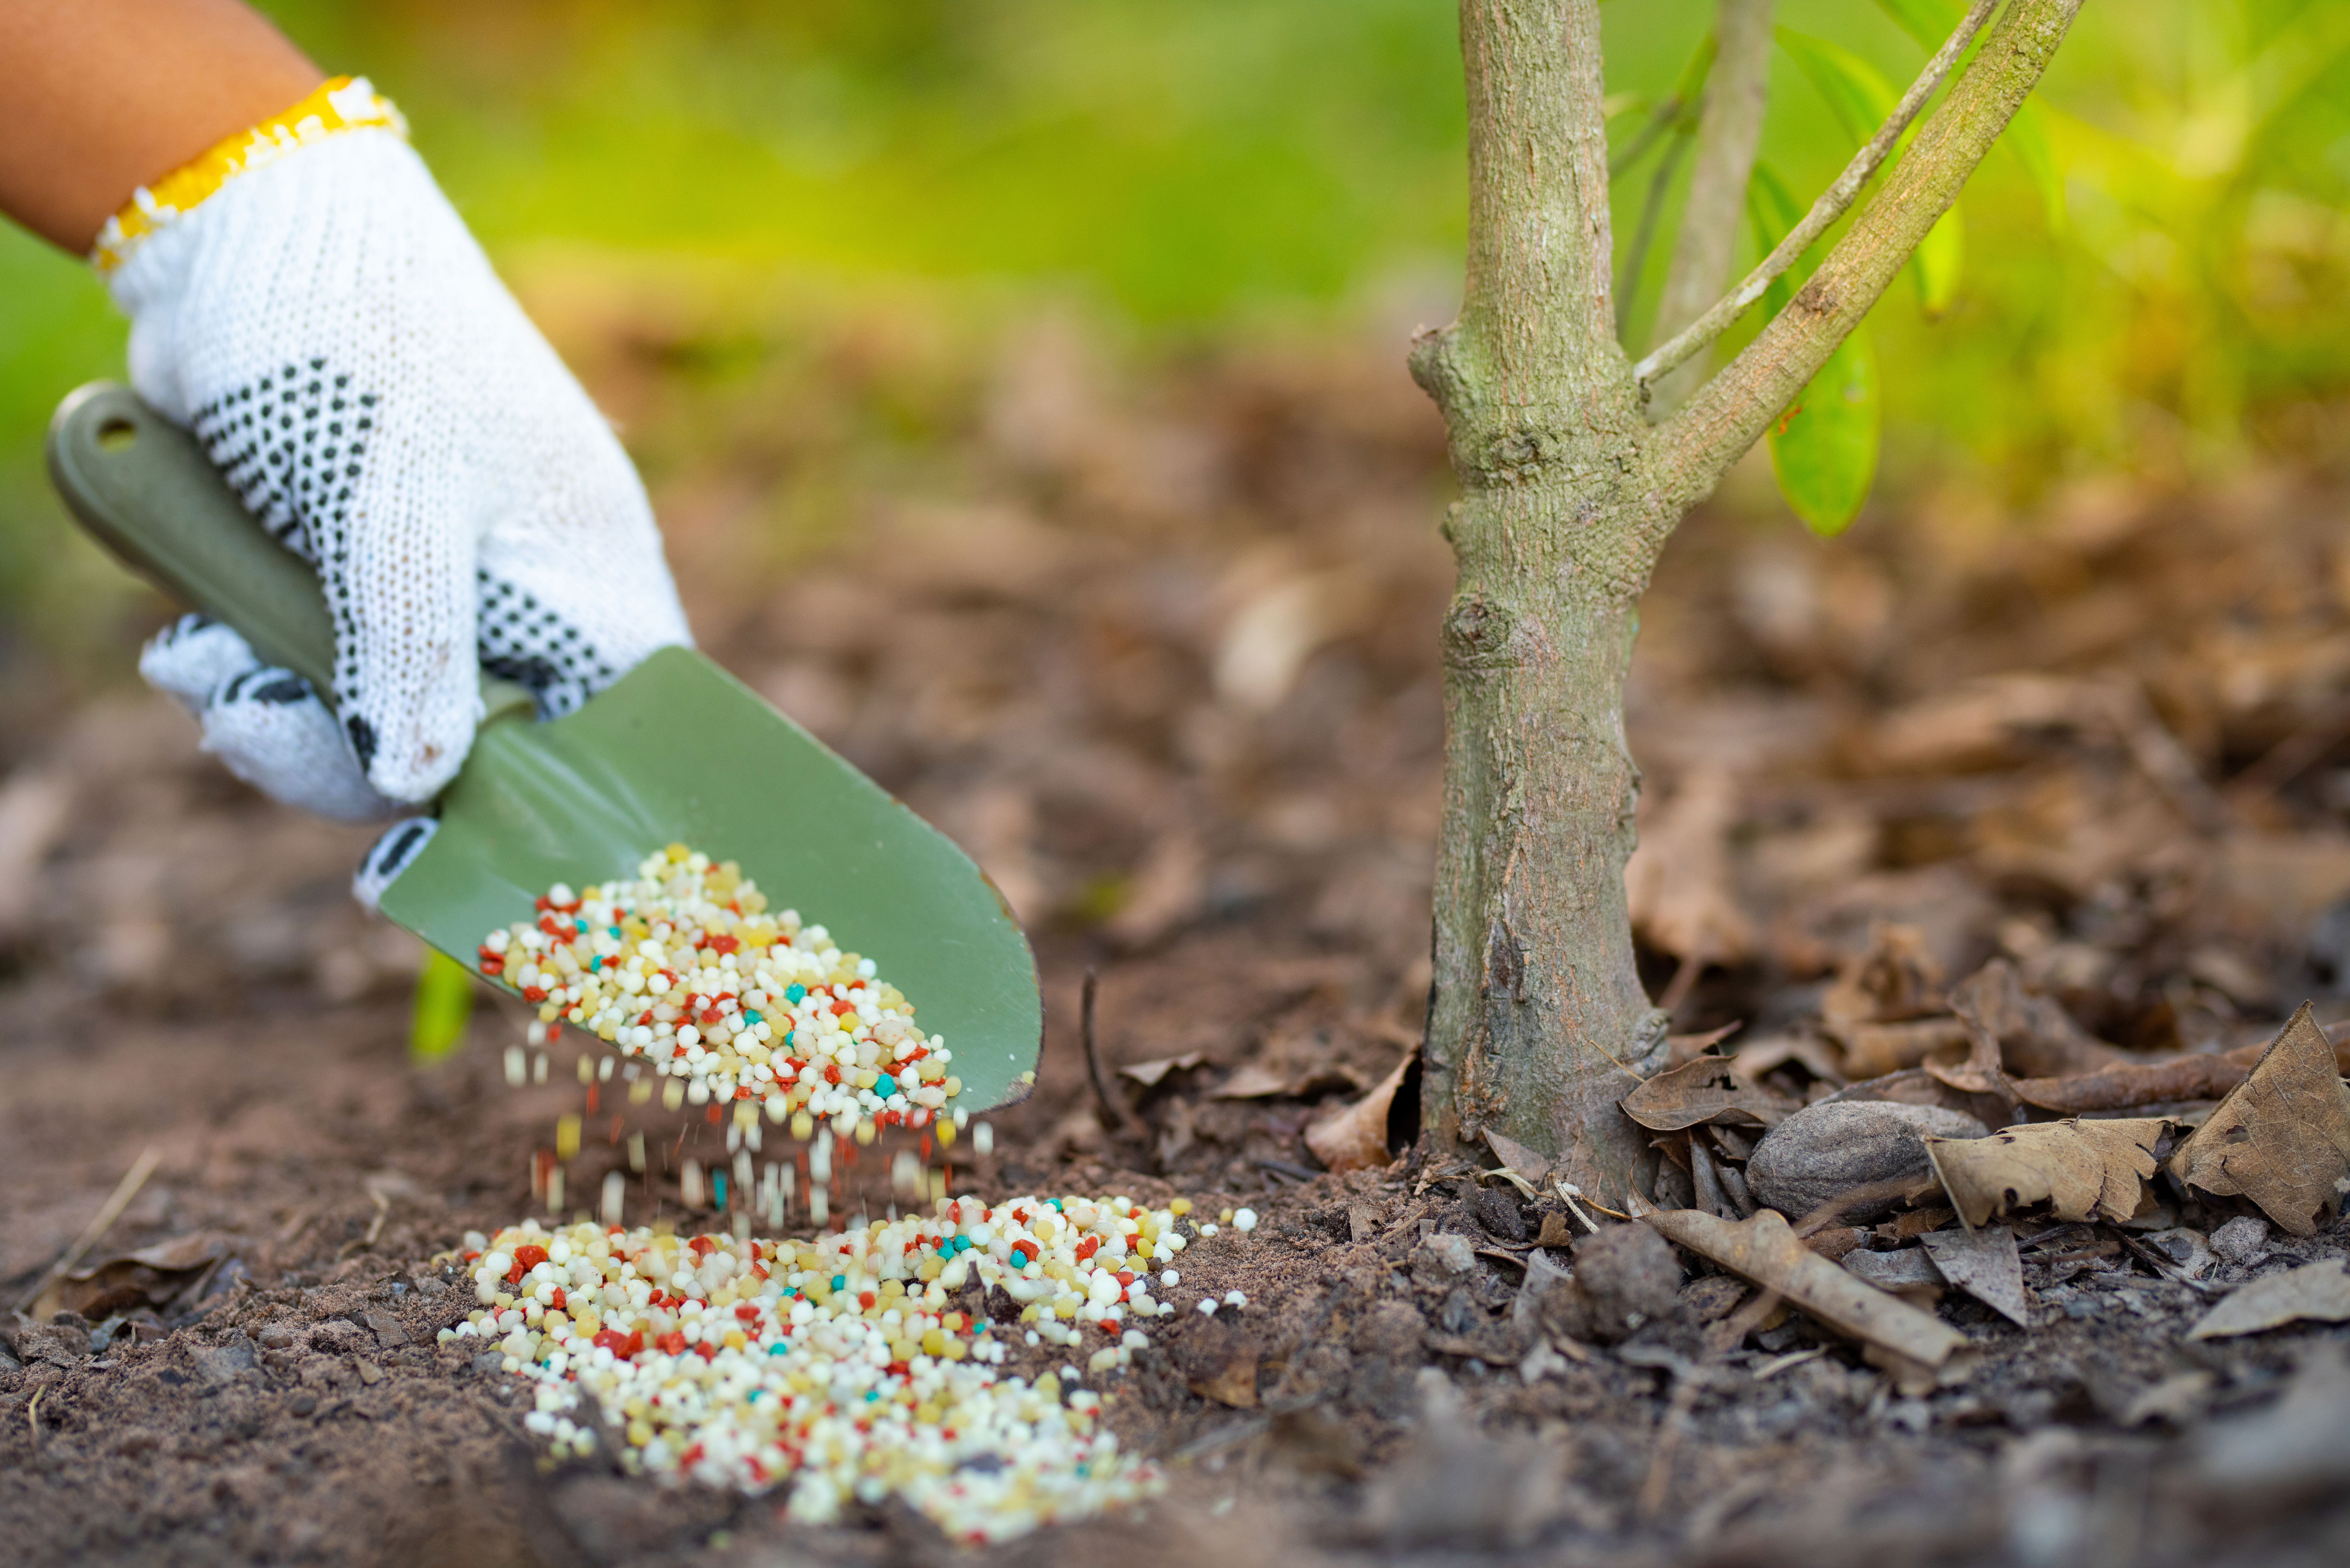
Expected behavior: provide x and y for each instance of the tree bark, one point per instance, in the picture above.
(1538, 1019)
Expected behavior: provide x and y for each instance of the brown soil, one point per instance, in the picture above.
(1921, 725)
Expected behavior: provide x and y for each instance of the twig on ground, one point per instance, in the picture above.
(1834, 202)
(1833, 1211)
(1289, 1168)
(1113, 1117)
(124, 1191)
(375, 1228)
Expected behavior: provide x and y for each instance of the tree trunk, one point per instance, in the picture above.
(1539, 1008)
(1538, 1018)
(1538, 1005)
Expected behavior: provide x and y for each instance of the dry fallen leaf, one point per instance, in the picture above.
(2081, 1169)
(1527, 1165)
(2281, 1138)
(1356, 1138)
(1678, 881)
(1876, 1010)
(1219, 1361)
(1983, 1264)
(1252, 1080)
(2033, 1035)
(2125, 1085)
(1917, 1348)
(1757, 1058)
(1917, 1086)
(151, 1276)
(1149, 1074)
(1710, 1089)
(2317, 1291)
(1873, 1050)
(1984, 1070)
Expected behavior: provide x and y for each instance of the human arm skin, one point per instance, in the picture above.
(102, 96)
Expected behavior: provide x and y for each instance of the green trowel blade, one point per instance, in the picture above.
(677, 752)
(681, 752)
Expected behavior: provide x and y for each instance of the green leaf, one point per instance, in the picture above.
(1941, 256)
(1928, 21)
(1856, 92)
(1772, 203)
(1823, 448)
(1772, 211)
(444, 1001)
(2027, 138)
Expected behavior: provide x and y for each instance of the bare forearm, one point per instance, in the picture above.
(101, 97)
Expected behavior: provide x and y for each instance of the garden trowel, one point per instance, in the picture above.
(676, 751)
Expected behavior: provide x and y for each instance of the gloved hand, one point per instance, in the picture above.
(329, 330)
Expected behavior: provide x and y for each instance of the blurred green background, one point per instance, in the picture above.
(1224, 169)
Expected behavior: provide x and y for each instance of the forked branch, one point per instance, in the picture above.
(1834, 202)
(1690, 451)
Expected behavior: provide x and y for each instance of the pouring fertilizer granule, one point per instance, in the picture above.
(684, 968)
(839, 1365)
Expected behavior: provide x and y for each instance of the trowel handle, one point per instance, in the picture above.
(142, 488)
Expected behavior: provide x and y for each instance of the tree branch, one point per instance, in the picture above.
(1690, 451)
(1832, 205)
(1687, 91)
(1728, 133)
(1644, 234)
(1666, 118)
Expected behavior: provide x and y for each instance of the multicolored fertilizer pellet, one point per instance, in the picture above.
(685, 969)
(841, 1365)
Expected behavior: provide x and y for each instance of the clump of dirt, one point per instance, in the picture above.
(1165, 660)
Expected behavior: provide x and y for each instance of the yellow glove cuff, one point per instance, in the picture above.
(343, 103)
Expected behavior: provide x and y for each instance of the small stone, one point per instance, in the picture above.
(388, 1329)
(1219, 1362)
(1441, 1259)
(218, 1364)
(1498, 1213)
(1624, 1277)
(1826, 1150)
(2243, 1240)
(337, 1336)
(1630, 1276)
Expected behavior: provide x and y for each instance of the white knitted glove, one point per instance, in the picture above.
(331, 334)
(266, 724)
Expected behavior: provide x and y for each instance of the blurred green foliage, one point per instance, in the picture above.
(1210, 168)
